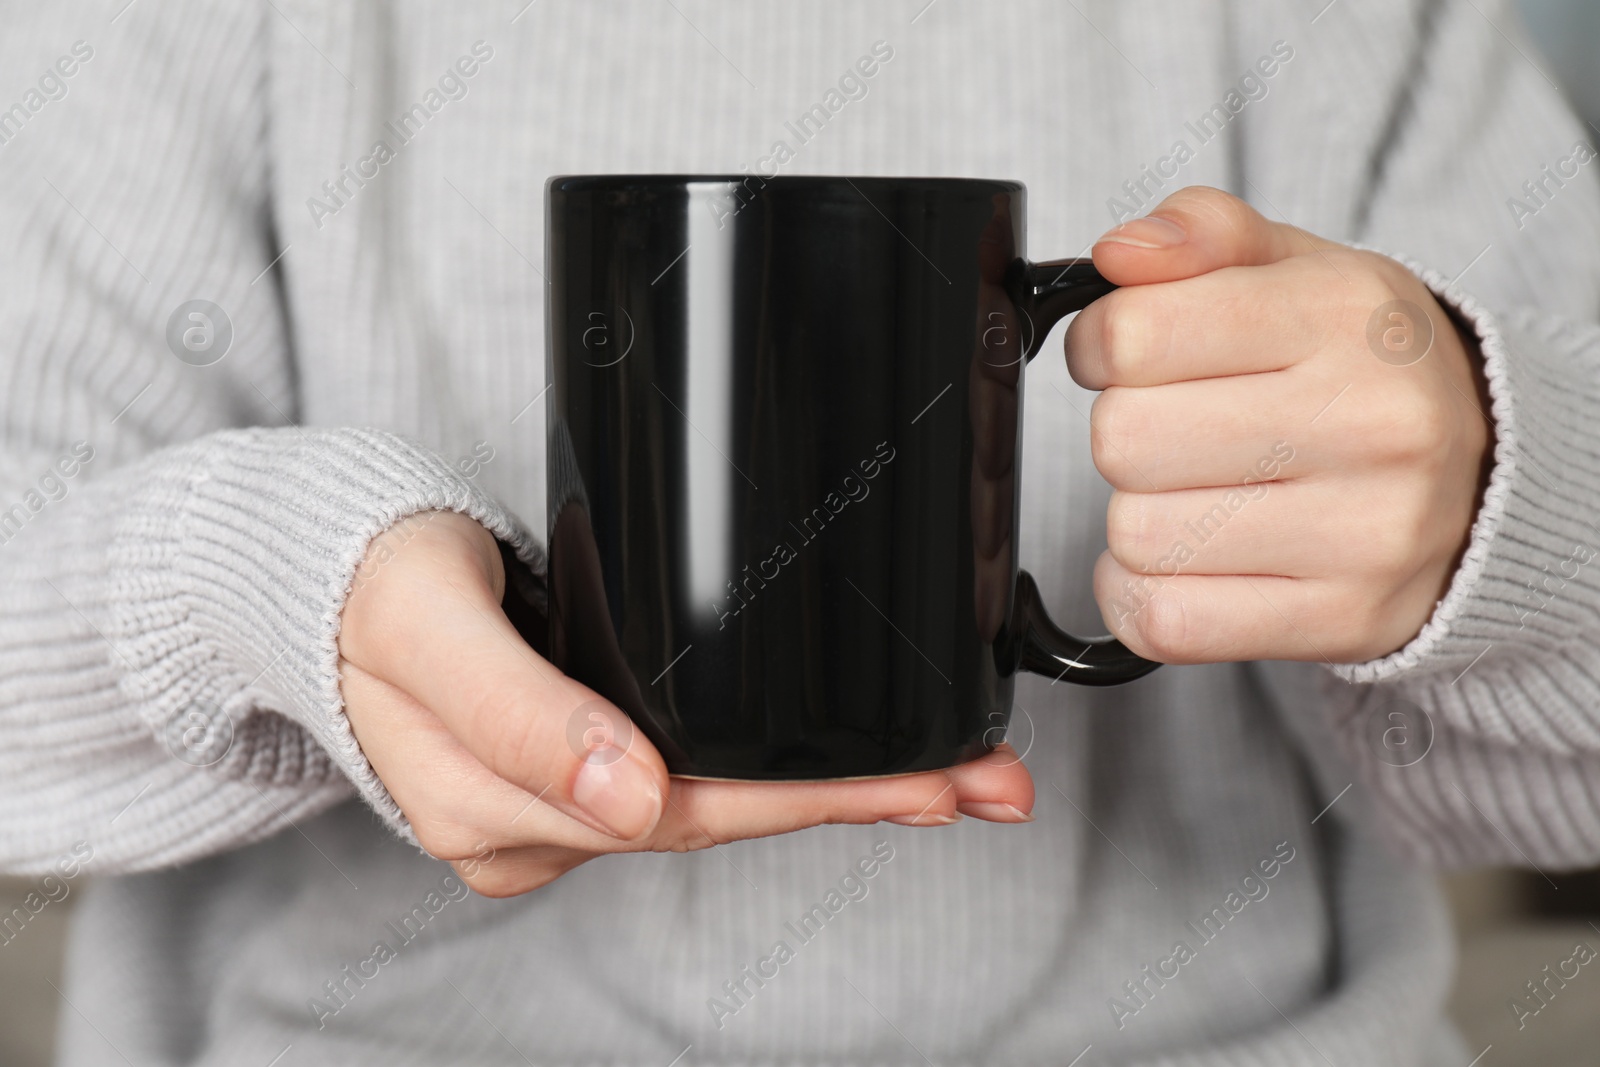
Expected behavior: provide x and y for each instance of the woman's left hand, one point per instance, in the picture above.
(1296, 434)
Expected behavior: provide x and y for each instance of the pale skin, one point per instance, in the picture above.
(1241, 334)
(1352, 545)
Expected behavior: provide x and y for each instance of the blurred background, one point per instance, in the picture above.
(1511, 923)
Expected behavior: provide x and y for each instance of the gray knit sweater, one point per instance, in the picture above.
(1227, 862)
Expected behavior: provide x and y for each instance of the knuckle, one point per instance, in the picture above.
(1403, 539)
(1127, 533)
(1370, 286)
(1122, 335)
(1233, 215)
(1433, 431)
(1420, 433)
(1407, 424)
(1208, 197)
(1114, 431)
(1213, 208)
(1163, 627)
(1381, 278)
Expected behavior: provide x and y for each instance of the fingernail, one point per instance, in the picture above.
(617, 792)
(1152, 231)
(926, 818)
(994, 812)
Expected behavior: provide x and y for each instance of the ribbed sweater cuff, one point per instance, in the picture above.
(228, 579)
(1538, 510)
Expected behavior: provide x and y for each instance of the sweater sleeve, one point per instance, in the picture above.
(174, 557)
(1480, 739)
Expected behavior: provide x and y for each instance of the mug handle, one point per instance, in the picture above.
(1045, 293)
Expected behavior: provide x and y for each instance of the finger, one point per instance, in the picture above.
(994, 787)
(702, 811)
(1193, 435)
(445, 641)
(1238, 320)
(1279, 530)
(1223, 619)
(1320, 527)
(457, 807)
(1194, 231)
(705, 812)
(1206, 618)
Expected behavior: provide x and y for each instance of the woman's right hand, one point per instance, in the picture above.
(472, 733)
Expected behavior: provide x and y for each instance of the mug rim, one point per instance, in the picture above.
(589, 182)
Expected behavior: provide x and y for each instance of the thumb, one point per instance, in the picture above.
(429, 623)
(1194, 231)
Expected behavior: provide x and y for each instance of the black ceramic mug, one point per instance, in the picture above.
(783, 466)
